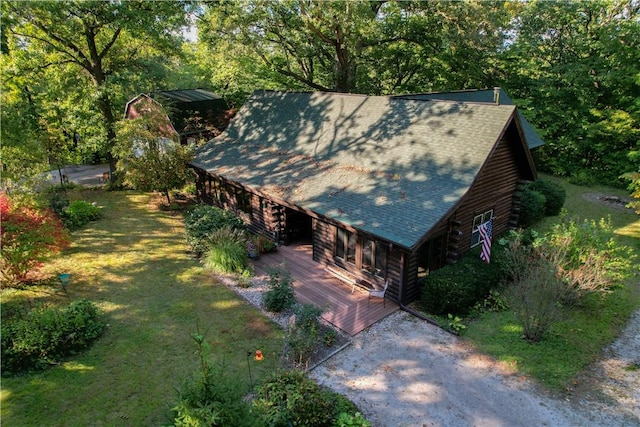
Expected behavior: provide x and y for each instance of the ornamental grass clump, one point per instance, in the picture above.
(227, 251)
(203, 220)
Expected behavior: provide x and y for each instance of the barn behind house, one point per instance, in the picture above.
(383, 187)
(191, 114)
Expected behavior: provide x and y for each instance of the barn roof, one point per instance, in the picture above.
(483, 95)
(388, 166)
(187, 95)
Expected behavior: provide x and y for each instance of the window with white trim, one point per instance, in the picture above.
(477, 220)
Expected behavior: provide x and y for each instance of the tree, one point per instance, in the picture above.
(575, 65)
(634, 185)
(150, 155)
(364, 46)
(105, 41)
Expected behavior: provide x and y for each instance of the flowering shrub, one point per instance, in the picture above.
(29, 236)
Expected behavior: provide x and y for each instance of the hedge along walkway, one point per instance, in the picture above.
(134, 264)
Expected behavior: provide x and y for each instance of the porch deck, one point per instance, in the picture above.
(348, 311)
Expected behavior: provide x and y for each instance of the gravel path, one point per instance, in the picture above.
(405, 372)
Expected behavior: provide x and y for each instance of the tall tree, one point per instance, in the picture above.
(364, 46)
(105, 41)
(576, 65)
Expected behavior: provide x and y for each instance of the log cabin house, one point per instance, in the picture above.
(384, 187)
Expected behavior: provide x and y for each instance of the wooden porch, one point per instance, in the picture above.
(345, 307)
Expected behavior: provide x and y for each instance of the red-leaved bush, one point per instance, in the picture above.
(28, 237)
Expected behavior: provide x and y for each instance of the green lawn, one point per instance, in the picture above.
(574, 343)
(134, 264)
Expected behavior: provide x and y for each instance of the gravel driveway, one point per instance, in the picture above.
(406, 372)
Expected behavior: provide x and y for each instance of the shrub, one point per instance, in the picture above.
(553, 193)
(210, 397)
(587, 257)
(202, 220)
(280, 294)
(458, 287)
(535, 291)
(531, 207)
(29, 236)
(290, 398)
(79, 213)
(46, 335)
(304, 335)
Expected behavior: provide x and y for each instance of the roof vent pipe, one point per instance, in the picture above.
(496, 95)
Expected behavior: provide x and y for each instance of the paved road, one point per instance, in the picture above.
(81, 174)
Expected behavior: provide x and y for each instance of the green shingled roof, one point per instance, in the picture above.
(388, 166)
(483, 95)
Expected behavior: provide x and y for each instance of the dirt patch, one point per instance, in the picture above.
(614, 202)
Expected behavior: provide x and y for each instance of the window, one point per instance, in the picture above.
(477, 220)
(366, 254)
(346, 245)
(374, 257)
(243, 200)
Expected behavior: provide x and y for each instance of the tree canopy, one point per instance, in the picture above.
(572, 67)
(69, 64)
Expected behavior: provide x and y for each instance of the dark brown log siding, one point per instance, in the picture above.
(323, 252)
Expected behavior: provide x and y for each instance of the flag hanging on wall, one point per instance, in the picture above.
(486, 231)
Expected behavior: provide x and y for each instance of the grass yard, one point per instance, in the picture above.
(580, 339)
(134, 264)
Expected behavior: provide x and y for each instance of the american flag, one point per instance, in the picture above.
(485, 235)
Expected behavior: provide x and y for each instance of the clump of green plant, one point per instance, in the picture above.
(355, 420)
(532, 207)
(79, 213)
(227, 251)
(46, 335)
(280, 295)
(304, 334)
(573, 260)
(458, 287)
(587, 257)
(535, 291)
(290, 398)
(554, 195)
(210, 397)
(455, 324)
(262, 243)
(201, 221)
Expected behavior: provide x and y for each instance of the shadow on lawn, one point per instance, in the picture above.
(134, 264)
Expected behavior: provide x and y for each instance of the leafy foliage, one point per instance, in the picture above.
(201, 221)
(554, 195)
(210, 397)
(532, 205)
(304, 334)
(280, 295)
(587, 257)
(290, 398)
(150, 156)
(456, 288)
(79, 213)
(560, 269)
(74, 63)
(47, 335)
(573, 65)
(29, 236)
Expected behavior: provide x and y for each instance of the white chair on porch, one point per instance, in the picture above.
(379, 293)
